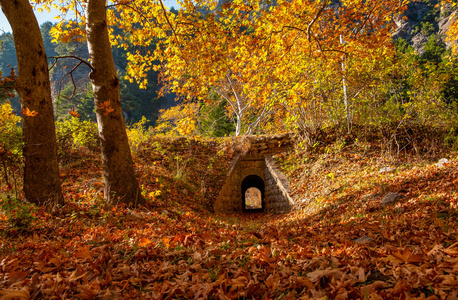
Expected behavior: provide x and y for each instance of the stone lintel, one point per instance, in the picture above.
(252, 157)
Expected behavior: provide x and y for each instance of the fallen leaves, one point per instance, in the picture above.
(452, 250)
(407, 256)
(370, 289)
(176, 249)
(11, 294)
(315, 276)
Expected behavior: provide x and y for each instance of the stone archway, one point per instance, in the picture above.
(255, 171)
(253, 181)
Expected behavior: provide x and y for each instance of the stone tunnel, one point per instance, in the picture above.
(254, 184)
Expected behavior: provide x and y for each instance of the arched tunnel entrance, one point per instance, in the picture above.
(253, 193)
(253, 184)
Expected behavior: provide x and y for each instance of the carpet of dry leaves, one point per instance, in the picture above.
(340, 243)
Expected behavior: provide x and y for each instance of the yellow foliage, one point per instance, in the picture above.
(178, 120)
(10, 131)
(253, 57)
(289, 57)
(452, 33)
(138, 134)
(186, 126)
(8, 120)
(74, 133)
(67, 31)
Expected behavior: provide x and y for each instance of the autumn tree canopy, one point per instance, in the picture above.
(298, 64)
(267, 61)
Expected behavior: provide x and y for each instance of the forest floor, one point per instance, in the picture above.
(339, 243)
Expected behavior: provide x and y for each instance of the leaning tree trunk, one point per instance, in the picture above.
(41, 169)
(121, 186)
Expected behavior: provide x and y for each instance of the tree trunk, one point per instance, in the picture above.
(345, 93)
(41, 169)
(238, 125)
(121, 186)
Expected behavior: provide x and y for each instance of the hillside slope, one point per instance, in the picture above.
(340, 243)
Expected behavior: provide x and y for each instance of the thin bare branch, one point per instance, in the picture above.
(7, 34)
(72, 78)
(144, 19)
(82, 61)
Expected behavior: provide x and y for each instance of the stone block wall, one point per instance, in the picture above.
(269, 144)
(277, 189)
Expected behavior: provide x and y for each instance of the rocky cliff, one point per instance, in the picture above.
(422, 19)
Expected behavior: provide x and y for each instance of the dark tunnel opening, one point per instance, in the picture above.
(253, 193)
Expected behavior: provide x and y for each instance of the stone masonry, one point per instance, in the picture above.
(255, 168)
(277, 189)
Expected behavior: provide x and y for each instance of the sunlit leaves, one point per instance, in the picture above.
(314, 40)
(8, 120)
(74, 113)
(218, 51)
(71, 26)
(26, 112)
(253, 58)
(186, 126)
(179, 119)
(452, 33)
(286, 65)
(106, 107)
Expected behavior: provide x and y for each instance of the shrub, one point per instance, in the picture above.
(451, 139)
(10, 144)
(137, 134)
(10, 131)
(179, 120)
(427, 28)
(19, 213)
(73, 134)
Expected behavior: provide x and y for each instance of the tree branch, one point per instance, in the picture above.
(73, 81)
(318, 14)
(82, 61)
(143, 17)
(164, 11)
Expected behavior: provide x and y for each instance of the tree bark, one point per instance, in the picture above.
(121, 186)
(41, 169)
(345, 94)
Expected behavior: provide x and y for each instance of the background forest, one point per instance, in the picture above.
(417, 84)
